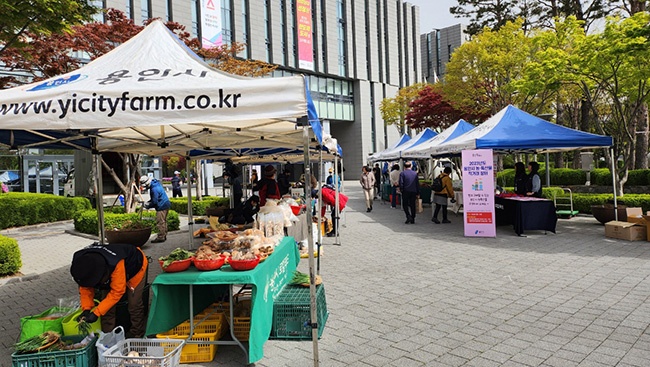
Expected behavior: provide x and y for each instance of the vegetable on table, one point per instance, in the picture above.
(175, 255)
(37, 342)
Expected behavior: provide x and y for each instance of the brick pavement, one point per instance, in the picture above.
(424, 295)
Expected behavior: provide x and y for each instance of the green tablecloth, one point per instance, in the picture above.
(170, 304)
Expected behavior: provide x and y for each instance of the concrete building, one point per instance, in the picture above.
(437, 47)
(363, 51)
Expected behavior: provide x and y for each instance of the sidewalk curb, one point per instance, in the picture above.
(18, 279)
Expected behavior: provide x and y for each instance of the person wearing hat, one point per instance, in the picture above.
(114, 269)
(176, 185)
(158, 201)
(332, 177)
(268, 187)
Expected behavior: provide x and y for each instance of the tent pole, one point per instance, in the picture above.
(614, 183)
(548, 172)
(190, 221)
(310, 249)
(99, 194)
(337, 205)
(318, 213)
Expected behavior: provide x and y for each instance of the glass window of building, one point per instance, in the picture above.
(145, 10)
(244, 16)
(341, 37)
(267, 30)
(195, 16)
(226, 25)
(129, 9)
(169, 12)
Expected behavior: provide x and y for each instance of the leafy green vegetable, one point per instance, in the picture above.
(177, 254)
(299, 278)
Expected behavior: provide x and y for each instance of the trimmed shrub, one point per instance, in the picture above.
(568, 176)
(24, 208)
(506, 178)
(10, 261)
(86, 221)
(179, 205)
(601, 177)
(637, 177)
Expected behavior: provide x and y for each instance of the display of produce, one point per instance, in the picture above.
(50, 341)
(176, 255)
(303, 279)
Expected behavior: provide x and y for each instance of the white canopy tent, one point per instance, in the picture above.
(153, 95)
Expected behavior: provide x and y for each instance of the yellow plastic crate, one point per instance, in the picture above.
(242, 324)
(205, 329)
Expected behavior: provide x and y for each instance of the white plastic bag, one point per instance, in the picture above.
(108, 340)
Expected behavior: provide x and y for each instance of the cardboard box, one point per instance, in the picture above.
(635, 215)
(626, 231)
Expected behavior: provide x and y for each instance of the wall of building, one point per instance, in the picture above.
(437, 48)
(381, 51)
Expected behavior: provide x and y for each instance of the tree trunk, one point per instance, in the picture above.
(641, 153)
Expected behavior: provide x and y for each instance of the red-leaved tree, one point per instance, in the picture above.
(430, 109)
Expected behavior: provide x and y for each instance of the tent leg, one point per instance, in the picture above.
(337, 205)
(614, 183)
(548, 172)
(99, 194)
(190, 221)
(310, 249)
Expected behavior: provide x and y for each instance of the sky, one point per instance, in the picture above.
(435, 14)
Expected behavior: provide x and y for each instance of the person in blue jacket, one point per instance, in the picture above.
(159, 201)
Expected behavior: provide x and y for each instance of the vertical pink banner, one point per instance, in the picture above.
(478, 193)
(305, 46)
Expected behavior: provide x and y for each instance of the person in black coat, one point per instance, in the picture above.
(521, 179)
(243, 213)
(284, 183)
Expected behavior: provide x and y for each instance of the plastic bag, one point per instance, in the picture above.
(108, 340)
(419, 208)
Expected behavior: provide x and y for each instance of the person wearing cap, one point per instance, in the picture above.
(331, 178)
(114, 269)
(158, 201)
(176, 185)
(268, 187)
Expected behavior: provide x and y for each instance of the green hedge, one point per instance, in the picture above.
(198, 207)
(24, 208)
(559, 176)
(86, 221)
(10, 261)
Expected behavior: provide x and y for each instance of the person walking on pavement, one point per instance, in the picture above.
(114, 269)
(394, 184)
(440, 197)
(158, 201)
(410, 189)
(377, 172)
(176, 185)
(368, 184)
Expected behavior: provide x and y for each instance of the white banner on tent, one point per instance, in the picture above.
(211, 33)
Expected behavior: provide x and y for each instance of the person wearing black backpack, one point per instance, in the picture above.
(440, 196)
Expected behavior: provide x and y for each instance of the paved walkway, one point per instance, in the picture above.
(423, 295)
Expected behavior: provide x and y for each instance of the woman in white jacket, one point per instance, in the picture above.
(368, 184)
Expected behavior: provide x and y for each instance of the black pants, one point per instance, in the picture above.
(177, 192)
(335, 222)
(408, 203)
(444, 211)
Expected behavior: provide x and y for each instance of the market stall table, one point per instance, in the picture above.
(177, 297)
(525, 213)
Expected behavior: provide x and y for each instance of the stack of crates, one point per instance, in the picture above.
(292, 313)
(209, 326)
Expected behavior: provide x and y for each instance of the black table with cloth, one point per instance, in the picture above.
(525, 213)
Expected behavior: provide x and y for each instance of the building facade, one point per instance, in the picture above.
(437, 47)
(362, 50)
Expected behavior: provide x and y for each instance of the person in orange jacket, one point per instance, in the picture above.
(115, 269)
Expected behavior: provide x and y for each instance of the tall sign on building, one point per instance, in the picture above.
(211, 33)
(305, 42)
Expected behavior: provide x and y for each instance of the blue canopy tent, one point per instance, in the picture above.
(423, 150)
(397, 153)
(377, 156)
(513, 130)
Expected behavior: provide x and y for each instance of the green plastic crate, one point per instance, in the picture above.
(291, 313)
(84, 357)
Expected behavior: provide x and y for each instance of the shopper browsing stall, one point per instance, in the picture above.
(440, 198)
(114, 269)
(268, 187)
(158, 201)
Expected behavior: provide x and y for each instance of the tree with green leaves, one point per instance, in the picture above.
(613, 73)
(393, 110)
(483, 74)
(38, 17)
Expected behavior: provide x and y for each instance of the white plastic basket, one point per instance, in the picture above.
(153, 353)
